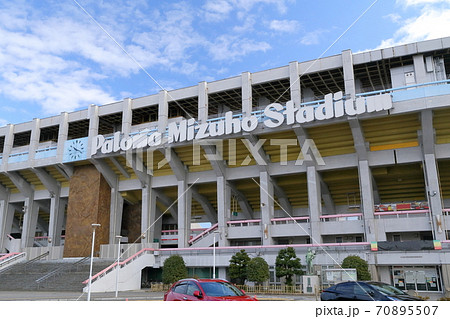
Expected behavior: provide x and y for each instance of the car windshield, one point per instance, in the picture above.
(220, 289)
(387, 289)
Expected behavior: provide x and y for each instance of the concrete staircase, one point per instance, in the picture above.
(68, 275)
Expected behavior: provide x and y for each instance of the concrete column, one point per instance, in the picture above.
(93, 126)
(62, 135)
(446, 280)
(57, 206)
(115, 216)
(157, 227)
(184, 214)
(431, 174)
(6, 216)
(30, 217)
(202, 102)
(127, 115)
(349, 76)
(267, 209)
(434, 195)
(246, 79)
(9, 140)
(373, 230)
(34, 141)
(314, 203)
(295, 87)
(223, 210)
(148, 214)
(163, 111)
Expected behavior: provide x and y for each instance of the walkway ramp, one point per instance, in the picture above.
(130, 271)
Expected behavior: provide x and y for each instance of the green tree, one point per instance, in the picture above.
(362, 268)
(238, 267)
(287, 265)
(258, 270)
(174, 269)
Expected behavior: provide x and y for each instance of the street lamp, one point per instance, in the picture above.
(118, 266)
(94, 226)
(214, 255)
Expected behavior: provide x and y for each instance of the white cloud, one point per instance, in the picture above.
(217, 10)
(420, 2)
(284, 25)
(312, 38)
(431, 23)
(228, 47)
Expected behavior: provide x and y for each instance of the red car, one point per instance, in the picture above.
(205, 290)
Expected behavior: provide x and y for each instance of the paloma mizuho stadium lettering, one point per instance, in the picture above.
(274, 115)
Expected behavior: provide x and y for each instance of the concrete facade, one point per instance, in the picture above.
(340, 152)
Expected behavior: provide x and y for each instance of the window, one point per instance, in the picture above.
(181, 288)
(339, 239)
(345, 288)
(361, 290)
(396, 238)
(191, 287)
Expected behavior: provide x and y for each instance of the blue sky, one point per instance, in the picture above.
(63, 55)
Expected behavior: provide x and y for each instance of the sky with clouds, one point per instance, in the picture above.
(63, 55)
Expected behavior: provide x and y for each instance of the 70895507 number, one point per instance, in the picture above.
(406, 310)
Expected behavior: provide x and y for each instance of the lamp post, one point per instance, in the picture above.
(214, 255)
(94, 226)
(118, 266)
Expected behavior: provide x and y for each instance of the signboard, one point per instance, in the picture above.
(274, 115)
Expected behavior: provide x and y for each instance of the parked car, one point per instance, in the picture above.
(365, 291)
(205, 290)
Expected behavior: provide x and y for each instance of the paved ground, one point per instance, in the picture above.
(138, 295)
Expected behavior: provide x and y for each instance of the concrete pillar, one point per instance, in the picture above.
(7, 147)
(163, 111)
(373, 230)
(57, 209)
(115, 216)
(184, 214)
(127, 115)
(314, 203)
(6, 218)
(34, 141)
(223, 210)
(157, 227)
(202, 102)
(349, 76)
(431, 174)
(246, 79)
(30, 216)
(62, 135)
(149, 213)
(267, 209)
(434, 195)
(93, 126)
(295, 87)
(446, 279)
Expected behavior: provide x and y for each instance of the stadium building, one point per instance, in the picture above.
(347, 155)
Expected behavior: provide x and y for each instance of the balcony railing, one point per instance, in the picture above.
(341, 217)
(403, 213)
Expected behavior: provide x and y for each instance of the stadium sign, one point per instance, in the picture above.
(274, 115)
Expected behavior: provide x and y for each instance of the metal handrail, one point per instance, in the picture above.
(9, 259)
(120, 264)
(59, 270)
(203, 234)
